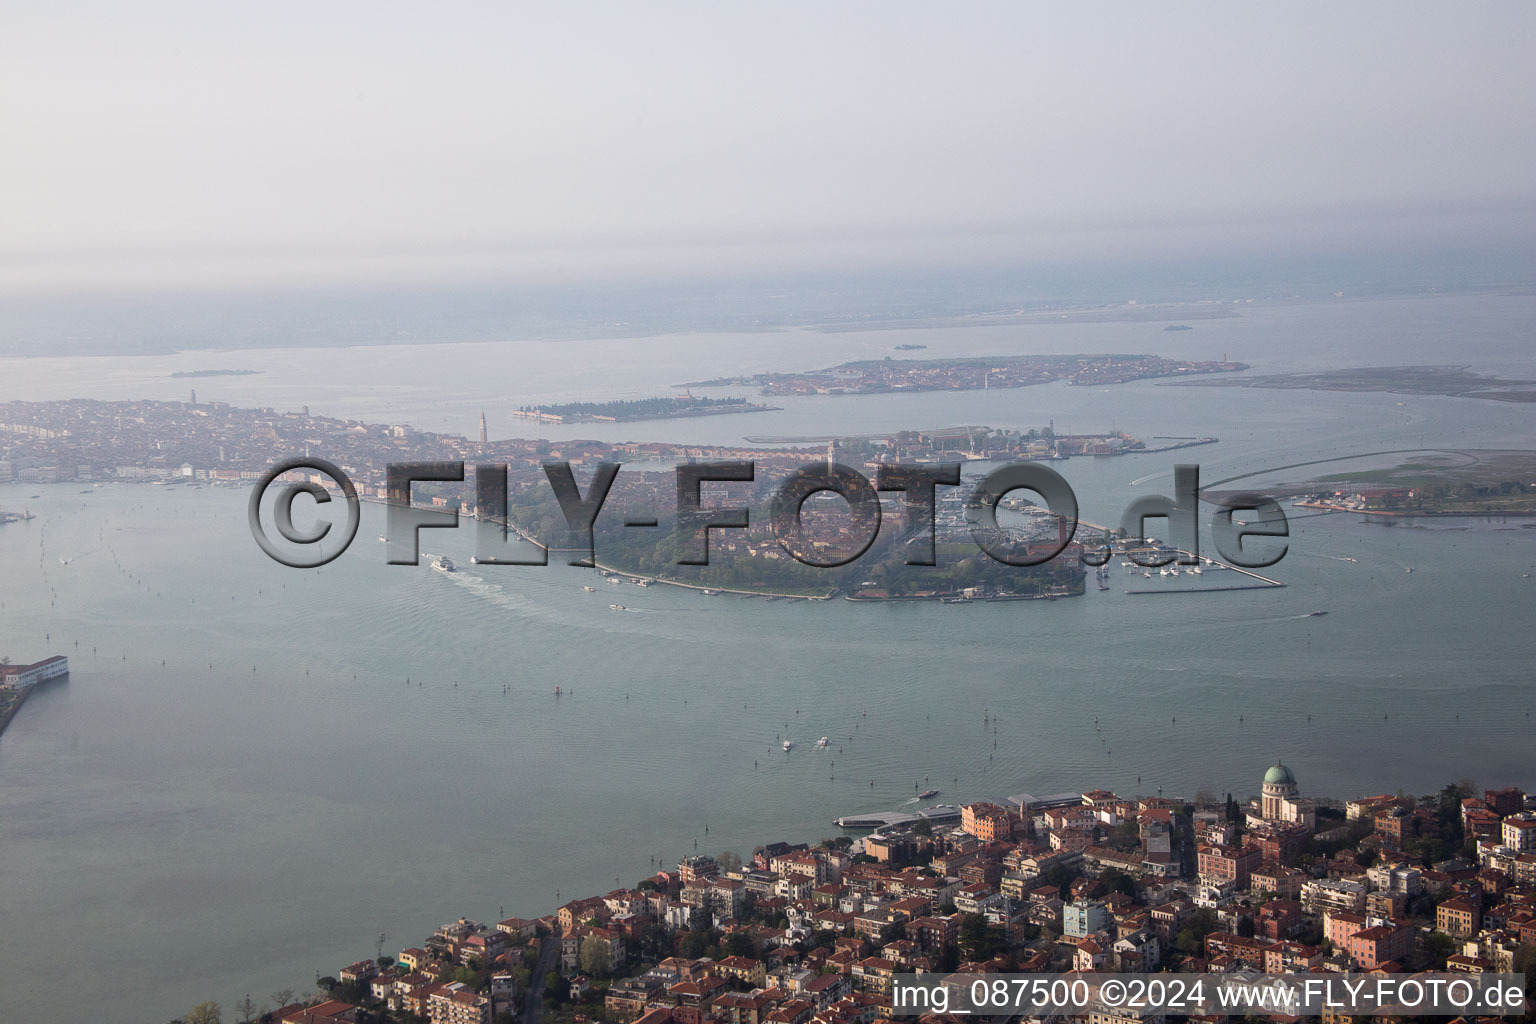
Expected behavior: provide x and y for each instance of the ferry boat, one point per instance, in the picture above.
(444, 564)
(787, 745)
(614, 580)
(642, 583)
(928, 794)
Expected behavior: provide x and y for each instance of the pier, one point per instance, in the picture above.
(938, 814)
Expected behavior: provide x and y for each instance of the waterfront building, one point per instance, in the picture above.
(24, 677)
(1278, 800)
(1520, 832)
(986, 821)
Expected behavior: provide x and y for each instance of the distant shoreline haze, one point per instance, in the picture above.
(157, 322)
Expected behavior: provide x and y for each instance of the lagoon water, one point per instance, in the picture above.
(254, 771)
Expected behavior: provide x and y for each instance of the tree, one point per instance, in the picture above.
(980, 940)
(728, 861)
(205, 1013)
(1118, 881)
(740, 944)
(1191, 938)
(282, 997)
(1438, 945)
(247, 1010)
(949, 958)
(385, 962)
(696, 943)
(1524, 962)
(596, 958)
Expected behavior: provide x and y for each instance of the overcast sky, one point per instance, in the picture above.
(192, 143)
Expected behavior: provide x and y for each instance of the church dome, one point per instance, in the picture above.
(1279, 775)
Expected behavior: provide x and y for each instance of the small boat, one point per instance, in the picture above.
(711, 593)
(444, 564)
(617, 608)
(928, 794)
(590, 590)
(642, 583)
(1317, 613)
(823, 742)
(1408, 569)
(787, 745)
(614, 580)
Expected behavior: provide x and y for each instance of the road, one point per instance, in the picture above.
(533, 999)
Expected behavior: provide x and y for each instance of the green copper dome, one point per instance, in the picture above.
(1279, 775)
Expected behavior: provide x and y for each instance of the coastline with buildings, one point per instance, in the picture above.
(18, 681)
(877, 376)
(800, 933)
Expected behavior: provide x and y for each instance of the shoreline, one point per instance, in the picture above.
(10, 712)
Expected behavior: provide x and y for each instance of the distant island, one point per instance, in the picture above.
(1450, 381)
(215, 373)
(1449, 482)
(1178, 327)
(909, 347)
(638, 409)
(874, 376)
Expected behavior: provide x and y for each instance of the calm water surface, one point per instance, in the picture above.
(253, 771)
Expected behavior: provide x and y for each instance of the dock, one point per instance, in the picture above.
(1205, 590)
(937, 814)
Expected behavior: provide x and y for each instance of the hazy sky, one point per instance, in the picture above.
(172, 143)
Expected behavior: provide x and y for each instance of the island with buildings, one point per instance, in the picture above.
(633, 410)
(817, 933)
(211, 443)
(1449, 381)
(879, 376)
